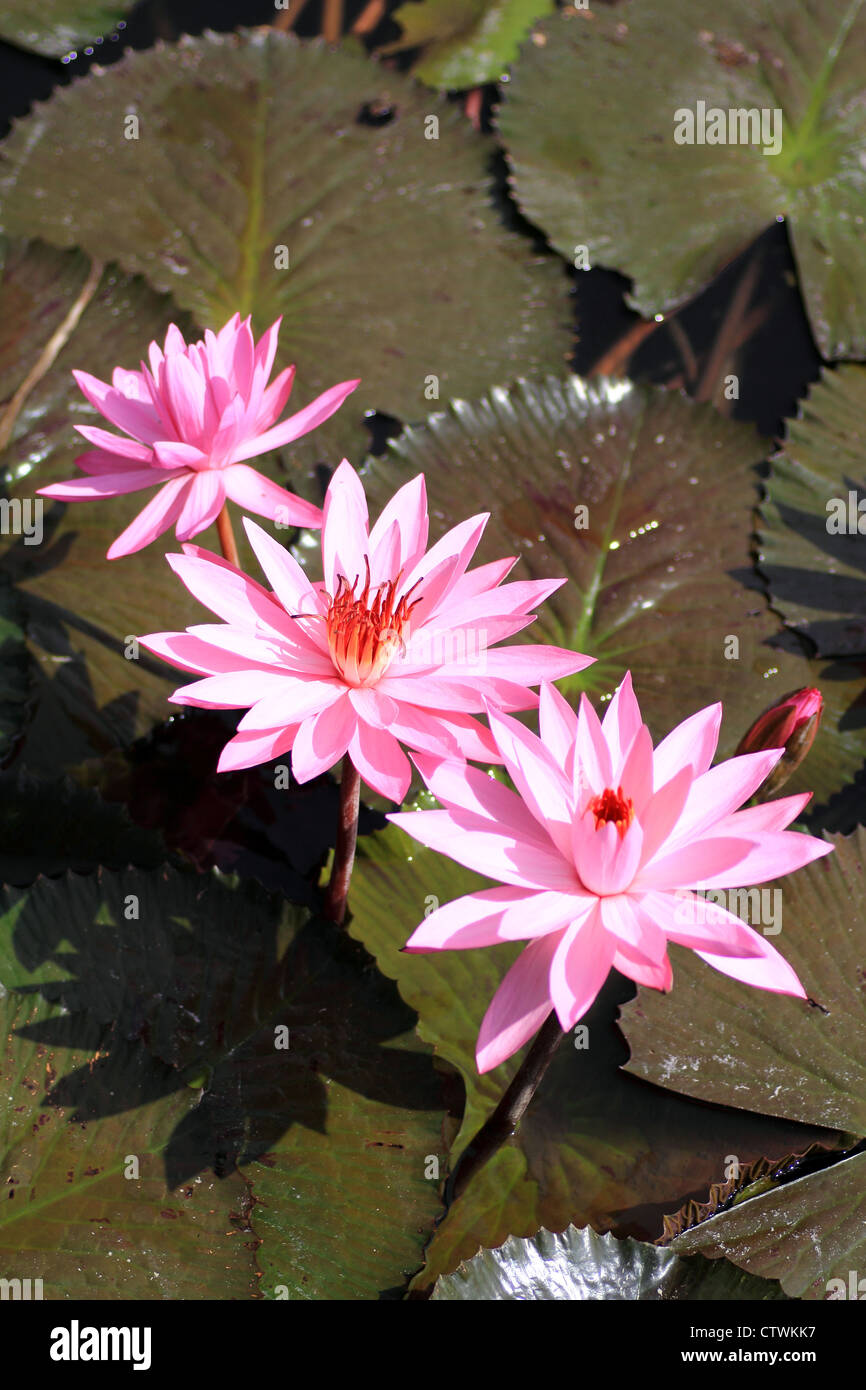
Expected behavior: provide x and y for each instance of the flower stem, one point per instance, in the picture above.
(347, 838)
(510, 1110)
(227, 537)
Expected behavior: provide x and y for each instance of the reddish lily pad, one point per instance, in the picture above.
(670, 212)
(812, 546)
(241, 173)
(809, 1234)
(767, 1052)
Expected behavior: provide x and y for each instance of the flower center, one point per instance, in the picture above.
(365, 634)
(612, 806)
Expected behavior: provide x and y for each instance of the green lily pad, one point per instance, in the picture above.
(768, 1052)
(595, 1147)
(658, 561)
(810, 547)
(809, 1234)
(301, 1058)
(580, 1264)
(464, 44)
(254, 150)
(670, 215)
(86, 1206)
(54, 27)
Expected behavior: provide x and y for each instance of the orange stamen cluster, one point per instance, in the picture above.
(612, 806)
(364, 635)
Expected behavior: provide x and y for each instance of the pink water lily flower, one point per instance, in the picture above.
(392, 647)
(189, 422)
(599, 853)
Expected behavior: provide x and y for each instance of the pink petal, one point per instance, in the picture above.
(635, 773)
(192, 653)
(592, 762)
(101, 485)
(693, 742)
(229, 593)
(254, 491)
(634, 928)
(538, 780)
(285, 576)
(159, 514)
(344, 529)
(606, 861)
(580, 966)
(458, 546)
(373, 707)
(659, 976)
(447, 736)
(131, 416)
(519, 1006)
(274, 399)
(663, 810)
(115, 443)
(714, 861)
(174, 453)
(97, 461)
(469, 840)
(483, 578)
(231, 690)
(701, 924)
(621, 722)
(531, 664)
(770, 971)
(381, 761)
(262, 650)
(294, 700)
(184, 390)
(323, 739)
(319, 410)
(248, 750)
(174, 340)
(466, 922)
(459, 786)
(408, 510)
(557, 723)
(266, 348)
(717, 793)
(243, 358)
(495, 915)
(771, 815)
(433, 692)
(519, 599)
(770, 855)
(204, 501)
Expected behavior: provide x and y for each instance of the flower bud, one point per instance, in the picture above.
(791, 724)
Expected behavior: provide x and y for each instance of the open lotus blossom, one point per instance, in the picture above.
(390, 648)
(190, 421)
(599, 853)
